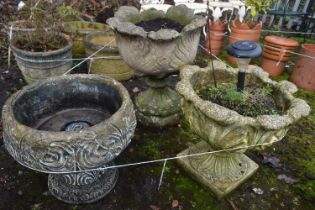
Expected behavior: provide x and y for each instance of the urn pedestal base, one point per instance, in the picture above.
(159, 105)
(221, 173)
(85, 187)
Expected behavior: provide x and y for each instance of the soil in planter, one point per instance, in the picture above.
(252, 102)
(39, 43)
(160, 23)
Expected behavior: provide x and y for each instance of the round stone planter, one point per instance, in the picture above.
(156, 55)
(66, 126)
(243, 31)
(77, 30)
(220, 128)
(42, 65)
(113, 66)
(275, 54)
(303, 74)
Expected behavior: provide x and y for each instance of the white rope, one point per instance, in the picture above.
(206, 50)
(288, 32)
(152, 161)
(89, 71)
(89, 57)
(9, 49)
(162, 173)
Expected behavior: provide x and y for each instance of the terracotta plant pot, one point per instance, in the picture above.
(275, 56)
(215, 37)
(77, 30)
(113, 66)
(303, 74)
(243, 31)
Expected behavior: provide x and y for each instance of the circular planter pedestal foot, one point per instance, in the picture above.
(85, 187)
(159, 105)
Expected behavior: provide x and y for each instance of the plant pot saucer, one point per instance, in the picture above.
(206, 177)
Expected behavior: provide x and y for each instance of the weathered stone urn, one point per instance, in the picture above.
(64, 125)
(156, 55)
(220, 128)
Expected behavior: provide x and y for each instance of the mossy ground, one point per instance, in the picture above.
(137, 187)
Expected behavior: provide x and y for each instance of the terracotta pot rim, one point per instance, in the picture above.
(272, 45)
(281, 41)
(309, 48)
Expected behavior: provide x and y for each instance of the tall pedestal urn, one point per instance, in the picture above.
(220, 128)
(156, 44)
(68, 126)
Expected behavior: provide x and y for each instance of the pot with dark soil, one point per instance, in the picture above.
(42, 53)
(232, 121)
(156, 44)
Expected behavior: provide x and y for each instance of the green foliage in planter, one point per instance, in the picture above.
(258, 6)
(251, 102)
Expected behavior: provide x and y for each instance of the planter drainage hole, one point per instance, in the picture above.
(77, 126)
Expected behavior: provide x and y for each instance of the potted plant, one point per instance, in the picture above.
(157, 44)
(232, 122)
(248, 29)
(42, 53)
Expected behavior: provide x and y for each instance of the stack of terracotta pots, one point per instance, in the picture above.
(243, 31)
(303, 74)
(277, 53)
(215, 36)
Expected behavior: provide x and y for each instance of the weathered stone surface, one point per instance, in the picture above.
(69, 123)
(42, 65)
(223, 128)
(157, 54)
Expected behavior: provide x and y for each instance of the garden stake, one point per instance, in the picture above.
(209, 39)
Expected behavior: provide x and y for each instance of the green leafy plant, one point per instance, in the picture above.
(252, 102)
(258, 6)
(267, 90)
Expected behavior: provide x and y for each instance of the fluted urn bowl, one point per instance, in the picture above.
(66, 126)
(221, 128)
(157, 54)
